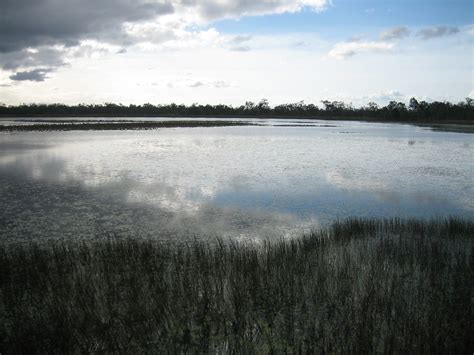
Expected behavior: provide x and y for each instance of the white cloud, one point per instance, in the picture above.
(240, 48)
(470, 30)
(189, 82)
(437, 31)
(91, 70)
(394, 33)
(204, 11)
(196, 84)
(218, 84)
(50, 22)
(240, 39)
(28, 41)
(343, 50)
(387, 96)
(307, 75)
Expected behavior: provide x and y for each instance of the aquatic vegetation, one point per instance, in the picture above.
(115, 125)
(363, 285)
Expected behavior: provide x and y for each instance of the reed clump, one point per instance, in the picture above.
(360, 286)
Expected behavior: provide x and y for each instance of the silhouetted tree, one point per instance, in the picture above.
(417, 110)
(414, 105)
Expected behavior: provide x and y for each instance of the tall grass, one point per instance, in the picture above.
(363, 286)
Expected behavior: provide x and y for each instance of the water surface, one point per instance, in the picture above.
(280, 179)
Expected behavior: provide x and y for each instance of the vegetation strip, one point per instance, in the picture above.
(87, 126)
(362, 286)
(415, 111)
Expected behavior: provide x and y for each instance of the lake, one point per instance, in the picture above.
(279, 179)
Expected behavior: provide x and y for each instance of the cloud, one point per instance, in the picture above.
(35, 23)
(57, 29)
(220, 9)
(470, 30)
(238, 43)
(388, 96)
(438, 31)
(344, 50)
(196, 84)
(240, 39)
(299, 44)
(28, 58)
(38, 35)
(218, 84)
(379, 97)
(394, 33)
(32, 75)
(240, 48)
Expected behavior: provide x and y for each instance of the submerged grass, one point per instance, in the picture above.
(115, 125)
(361, 286)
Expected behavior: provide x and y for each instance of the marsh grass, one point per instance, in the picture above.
(115, 125)
(362, 286)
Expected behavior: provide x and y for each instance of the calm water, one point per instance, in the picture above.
(245, 182)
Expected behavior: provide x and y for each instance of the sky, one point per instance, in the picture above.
(224, 51)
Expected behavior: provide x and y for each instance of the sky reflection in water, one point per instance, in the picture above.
(243, 182)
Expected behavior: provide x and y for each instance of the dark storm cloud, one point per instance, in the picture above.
(32, 75)
(33, 23)
(26, 58)
(51, 26)
(36, 35)
(435, 32)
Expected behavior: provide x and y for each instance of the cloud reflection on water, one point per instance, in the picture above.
(38, 202)
(242, 182)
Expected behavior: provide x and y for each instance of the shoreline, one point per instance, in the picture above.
(39, 125)
(238, 117)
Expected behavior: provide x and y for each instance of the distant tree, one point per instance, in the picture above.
(249, 105)
(413, 105)
(333, 106)
(372, 106)
(396, 109)
(263, 105)
(419, 110)
(328, 106)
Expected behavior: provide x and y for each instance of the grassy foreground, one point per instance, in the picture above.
(361, 286)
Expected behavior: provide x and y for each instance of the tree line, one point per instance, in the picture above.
(398, 111)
